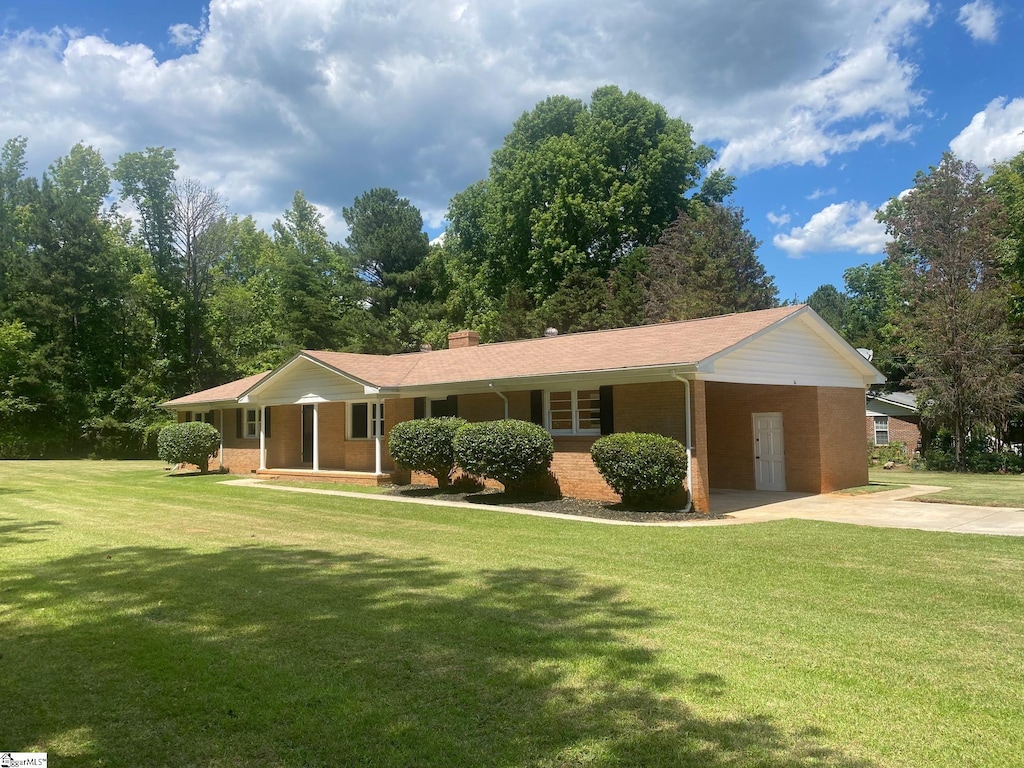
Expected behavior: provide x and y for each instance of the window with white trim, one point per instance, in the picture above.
(252, 422)
(365, 420)
(574, 412)
(881, 430)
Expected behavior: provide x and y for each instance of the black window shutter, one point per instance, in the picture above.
(453, 405)
(359, 419)
(537, 406)
(419, 407)
(239, 422)
(607, 410)
(266, 422)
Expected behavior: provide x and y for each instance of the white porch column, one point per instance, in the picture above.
(316, 437)
(220, 451)
(377, 441)
(263, 437)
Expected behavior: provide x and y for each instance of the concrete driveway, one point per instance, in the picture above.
(888, 509)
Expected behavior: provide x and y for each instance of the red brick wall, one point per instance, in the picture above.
(843, 463)
(657, 407)
(485, 406)
(821, 435)
(284, 446)
(901, 430)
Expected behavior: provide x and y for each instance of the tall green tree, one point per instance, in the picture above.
(572, 191)
(18, 195)
(387, 243)
(316, 280)
(832, 305)
(705, 263)
(147, 181)
(244, 310)
(1007, 182)
(389, 248)
(72, 291)
(957, 334)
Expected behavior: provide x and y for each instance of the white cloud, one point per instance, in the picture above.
(336, 98)
(980, 19)
(818, 193)
(184, 35)
(837, 228)
(995, 134)
(779, 219)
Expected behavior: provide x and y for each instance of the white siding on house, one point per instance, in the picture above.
(792, 354)
(307, 382)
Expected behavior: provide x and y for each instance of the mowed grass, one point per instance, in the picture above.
(982, 490)
(151, 620)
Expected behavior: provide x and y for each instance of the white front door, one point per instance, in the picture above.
(769, 456)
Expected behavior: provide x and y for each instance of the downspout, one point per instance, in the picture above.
(220, 452)
(689, 447)
(499, 394)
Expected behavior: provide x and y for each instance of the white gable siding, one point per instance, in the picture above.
(789, 354)
(306, 382)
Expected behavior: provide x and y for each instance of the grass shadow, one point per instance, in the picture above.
(282, 656)
(22, 532)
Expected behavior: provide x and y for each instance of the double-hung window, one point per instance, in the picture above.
(252, 422)
(574, 412)
(881, 430)
(366, 420)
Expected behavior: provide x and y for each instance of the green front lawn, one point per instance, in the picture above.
(147, 620)
(983, 490)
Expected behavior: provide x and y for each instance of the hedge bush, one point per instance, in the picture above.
(644, 469)
(513, 452)
(191, 443)
(425, 445)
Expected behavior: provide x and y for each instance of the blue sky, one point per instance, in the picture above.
(822, 110)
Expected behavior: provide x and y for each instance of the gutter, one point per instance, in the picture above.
(689, 446)
(501, 395)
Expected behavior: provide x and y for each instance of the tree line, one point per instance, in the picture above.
(124, 284)
(944, 310)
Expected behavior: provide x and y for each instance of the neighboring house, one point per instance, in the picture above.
(768, 400)
(893, 417)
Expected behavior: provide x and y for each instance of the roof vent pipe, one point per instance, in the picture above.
(550, 332)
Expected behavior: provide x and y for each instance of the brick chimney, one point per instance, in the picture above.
(460, 339)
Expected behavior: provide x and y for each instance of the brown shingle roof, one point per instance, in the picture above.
(680, 343)
(224, 393)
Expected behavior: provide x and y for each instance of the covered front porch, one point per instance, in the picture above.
(344, 440)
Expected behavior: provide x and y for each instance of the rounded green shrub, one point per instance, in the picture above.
(513, 452)
(644, 469)
(191, 443)
(425, 445)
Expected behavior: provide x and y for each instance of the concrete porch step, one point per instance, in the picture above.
(325, 475)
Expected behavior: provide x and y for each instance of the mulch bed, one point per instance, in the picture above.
(565, 506)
